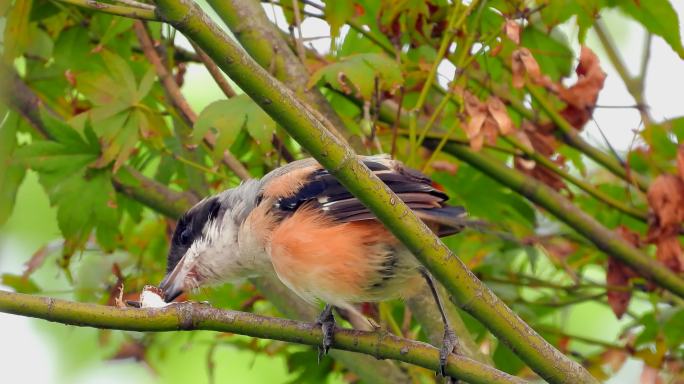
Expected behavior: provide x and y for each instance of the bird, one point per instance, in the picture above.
(324, 244)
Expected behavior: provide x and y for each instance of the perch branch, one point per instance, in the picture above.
(193, 316)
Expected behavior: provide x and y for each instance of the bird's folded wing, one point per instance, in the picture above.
(319, 189)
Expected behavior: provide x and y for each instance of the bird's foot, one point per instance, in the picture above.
(327, 322)
(449, 346)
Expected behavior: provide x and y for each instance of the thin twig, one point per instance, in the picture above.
(165, 76)
(298, 25)
(119, 10)
(214, 71)
(634, 84)
(179, 101)
(136, 4)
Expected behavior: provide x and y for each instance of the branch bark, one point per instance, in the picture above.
(193, 316)
(119, 10)
(305, 127)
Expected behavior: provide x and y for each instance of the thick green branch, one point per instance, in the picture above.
(189, 316)
(605, 239)
(262, 40)
(283, 106)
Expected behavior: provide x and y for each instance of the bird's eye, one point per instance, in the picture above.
(185, 236)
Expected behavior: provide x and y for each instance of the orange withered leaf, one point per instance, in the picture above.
(669, 252)
(666, 199)
(619, 274)
(512, 30)
(498, 111)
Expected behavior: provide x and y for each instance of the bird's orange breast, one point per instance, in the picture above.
(332, 261)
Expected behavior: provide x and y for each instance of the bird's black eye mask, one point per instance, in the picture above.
(189, 228)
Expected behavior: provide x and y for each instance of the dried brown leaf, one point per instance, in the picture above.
(669, 252)
(666, 200)
(444, 166)
(614, 358)
(582, 96)
(130, 350)
(524, 64)
(497, 109)
(649, 375)
(512, 30)
(618, 275)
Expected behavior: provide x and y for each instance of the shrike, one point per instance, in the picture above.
(320, 240)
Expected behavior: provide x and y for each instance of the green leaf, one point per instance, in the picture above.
(673, 329)
(650, 330)
(559, 11)
(19, 283)
(84, 197)
(550, 50)
(337, 13)
(11, 173)
(73, 51)
(676, 126)
(117, 84)
(16, 37)
(87, 202)
(119, 135)
(658, 17)
(229, 117)
(506, 360)
(356, 74)
(39, 43)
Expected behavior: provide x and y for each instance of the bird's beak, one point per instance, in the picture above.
(172, 285)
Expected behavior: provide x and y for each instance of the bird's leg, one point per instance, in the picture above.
(327, 322)
(450, 341)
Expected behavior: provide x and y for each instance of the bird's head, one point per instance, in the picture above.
(204, 247)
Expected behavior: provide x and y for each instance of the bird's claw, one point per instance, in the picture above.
(449, 344)
(327, 322)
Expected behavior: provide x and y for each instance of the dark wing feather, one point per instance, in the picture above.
(323, 191)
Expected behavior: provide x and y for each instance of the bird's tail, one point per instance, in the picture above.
(448, 220)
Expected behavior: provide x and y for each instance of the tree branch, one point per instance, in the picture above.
(634, 84)
(215, 72)
(193, 316)
(119, 10)
(571, 136)
(604, 239)
(338, 158)
(248, 22)
(174, 94)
